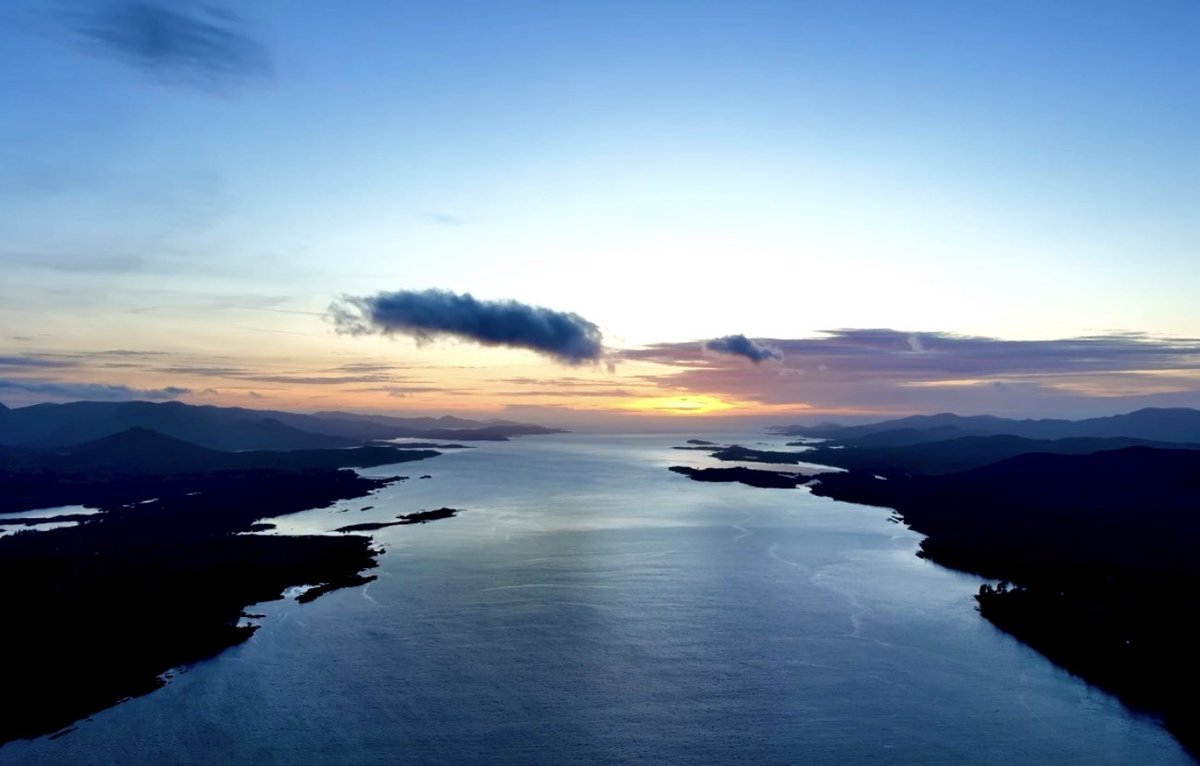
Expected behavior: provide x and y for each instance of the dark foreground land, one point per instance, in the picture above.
(1098, 554)
(98, 612)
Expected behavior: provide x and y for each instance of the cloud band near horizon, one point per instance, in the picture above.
(898, 371)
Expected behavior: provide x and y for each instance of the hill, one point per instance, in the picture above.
(965, 453)
(233, 428)
(139, 463)
(1155, 424)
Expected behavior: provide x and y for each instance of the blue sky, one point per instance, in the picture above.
(673, 172)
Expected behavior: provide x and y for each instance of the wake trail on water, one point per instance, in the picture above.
(739, 526)
(773, 552)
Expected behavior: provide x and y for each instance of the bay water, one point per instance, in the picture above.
(589, 606)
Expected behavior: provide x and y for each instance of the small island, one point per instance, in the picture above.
(419, 517)
(749, 476)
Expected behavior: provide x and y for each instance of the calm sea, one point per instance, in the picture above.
(590, 606)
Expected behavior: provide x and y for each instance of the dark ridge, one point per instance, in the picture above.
(904, 437)
(235, 428)
(139, 463)
(1178, 424)
(966, 453)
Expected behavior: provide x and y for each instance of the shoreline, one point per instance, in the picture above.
(111, 605)
(1119, 625)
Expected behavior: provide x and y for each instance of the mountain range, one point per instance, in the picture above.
(234, 428)
(1178, 424)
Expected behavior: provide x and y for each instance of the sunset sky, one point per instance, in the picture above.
(771, 209)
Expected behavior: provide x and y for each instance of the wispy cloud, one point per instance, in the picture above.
(567, 387)
(186, 41)
(425, 315)
(79, 263)
(403, 392)
(445, 219)
(615, 393)
(318, 380)
(364, 367)
(35, 362)
(740, 345)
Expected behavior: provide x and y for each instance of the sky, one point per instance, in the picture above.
(602, 212)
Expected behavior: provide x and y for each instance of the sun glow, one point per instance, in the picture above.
(682, 405)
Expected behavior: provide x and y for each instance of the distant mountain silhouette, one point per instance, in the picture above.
(1052, 508)
(232, 428)
(162, 575)
(140, 449)
(51, 425)
(1157, 424)
(143, 452)
(903, 437)
(962, 454)
(442, 422)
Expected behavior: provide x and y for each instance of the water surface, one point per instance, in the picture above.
(589, 605)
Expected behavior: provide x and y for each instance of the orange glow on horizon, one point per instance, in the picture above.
(699, 404)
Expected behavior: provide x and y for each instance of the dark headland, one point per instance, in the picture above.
(162, 576)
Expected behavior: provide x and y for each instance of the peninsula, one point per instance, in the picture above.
(160, 571)
(1094, 536)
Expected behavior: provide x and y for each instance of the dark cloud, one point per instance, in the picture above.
(740, 345)
(45, 389)
(180, 40)
(425, 315)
